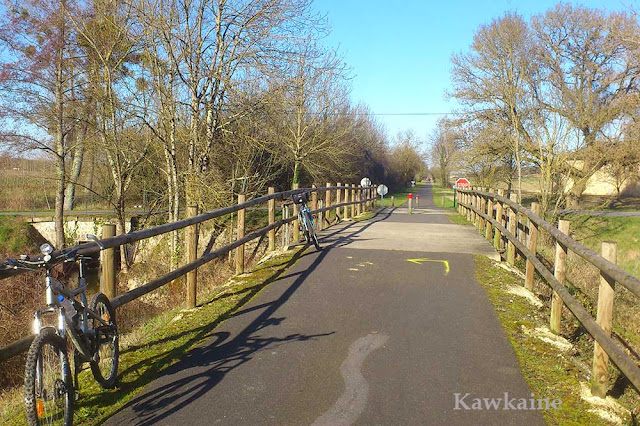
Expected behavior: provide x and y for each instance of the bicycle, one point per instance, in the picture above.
(50, 389)
(305, 219)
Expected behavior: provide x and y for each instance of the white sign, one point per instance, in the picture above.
(365, 182)
(382, 190)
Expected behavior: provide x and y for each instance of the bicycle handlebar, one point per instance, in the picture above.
(34, 264)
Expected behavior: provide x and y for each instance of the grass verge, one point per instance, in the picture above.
(160, 343)
(363, 216)
(17, 236)
(443, 197)
(400, 196)
(441, 194)
(550, 371)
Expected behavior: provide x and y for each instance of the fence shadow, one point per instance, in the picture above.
(202, 368)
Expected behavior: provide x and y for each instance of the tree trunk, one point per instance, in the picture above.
(59, 207)
(121, 230)
(59, 145)
(296, 172)
(76, 168)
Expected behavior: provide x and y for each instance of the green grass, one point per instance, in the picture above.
(400, 196)
(363, 216)
(593, 230)
(548, 372)
(165, 340)
(438, 192)
(17, 237)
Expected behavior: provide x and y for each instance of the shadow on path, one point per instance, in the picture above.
(204, 367)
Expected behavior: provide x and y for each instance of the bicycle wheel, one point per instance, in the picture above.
(312, 232)
(48, 386)
(304, 227)
(104, 364)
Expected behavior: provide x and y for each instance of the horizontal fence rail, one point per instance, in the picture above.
(478, 207)
(614, 271)
(360, 198)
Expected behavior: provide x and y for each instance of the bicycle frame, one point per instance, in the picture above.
(79, 335)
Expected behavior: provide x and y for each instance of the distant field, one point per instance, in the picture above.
(29, 185)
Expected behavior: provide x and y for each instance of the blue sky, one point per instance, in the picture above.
(399, 52)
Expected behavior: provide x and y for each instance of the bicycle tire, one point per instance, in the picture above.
(312, 233)
(48, 348)
(106, 353)
(304, 226)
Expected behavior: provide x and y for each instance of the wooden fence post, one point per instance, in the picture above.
(374, 196)
(469, 211)
(600, 376)
(285, 227)
(338, 200)
(314, 206)
(108, 282)
(533, 245)
(521, 234)
(327, 203)
(191, 240)
(513, 230)
(497, 238)
(271, 204)
(359, 200)
(474, 215)
(560, 272)
(488, 234)
(346, 200)
(353, 200)
(483, 210)
(240, 250)
(476, 204)
(393, 203)
(296, 226)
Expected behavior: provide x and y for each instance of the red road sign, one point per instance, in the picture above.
(463, 183)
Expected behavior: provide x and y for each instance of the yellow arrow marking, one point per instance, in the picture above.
(419, 261)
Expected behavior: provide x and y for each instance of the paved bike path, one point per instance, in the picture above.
(355, 334)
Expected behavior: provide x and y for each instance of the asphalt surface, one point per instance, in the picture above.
(354, 334)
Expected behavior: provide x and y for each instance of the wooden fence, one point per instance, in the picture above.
(515, 228)
(358, 198)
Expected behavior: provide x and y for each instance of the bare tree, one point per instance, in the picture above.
(491, 80)
(107, 35)
(445, 150)
(587, 66)
(38, 76)
(311, 113)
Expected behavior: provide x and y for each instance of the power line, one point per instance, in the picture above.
(414, 113)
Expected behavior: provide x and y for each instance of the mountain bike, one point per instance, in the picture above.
(50, 389)
(305, 219)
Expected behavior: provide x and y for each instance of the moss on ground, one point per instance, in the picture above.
(438, 192)
(400, 196)
(165, 340)
(459, 219)
(363, 216)
(549, 372)
(18, 237)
